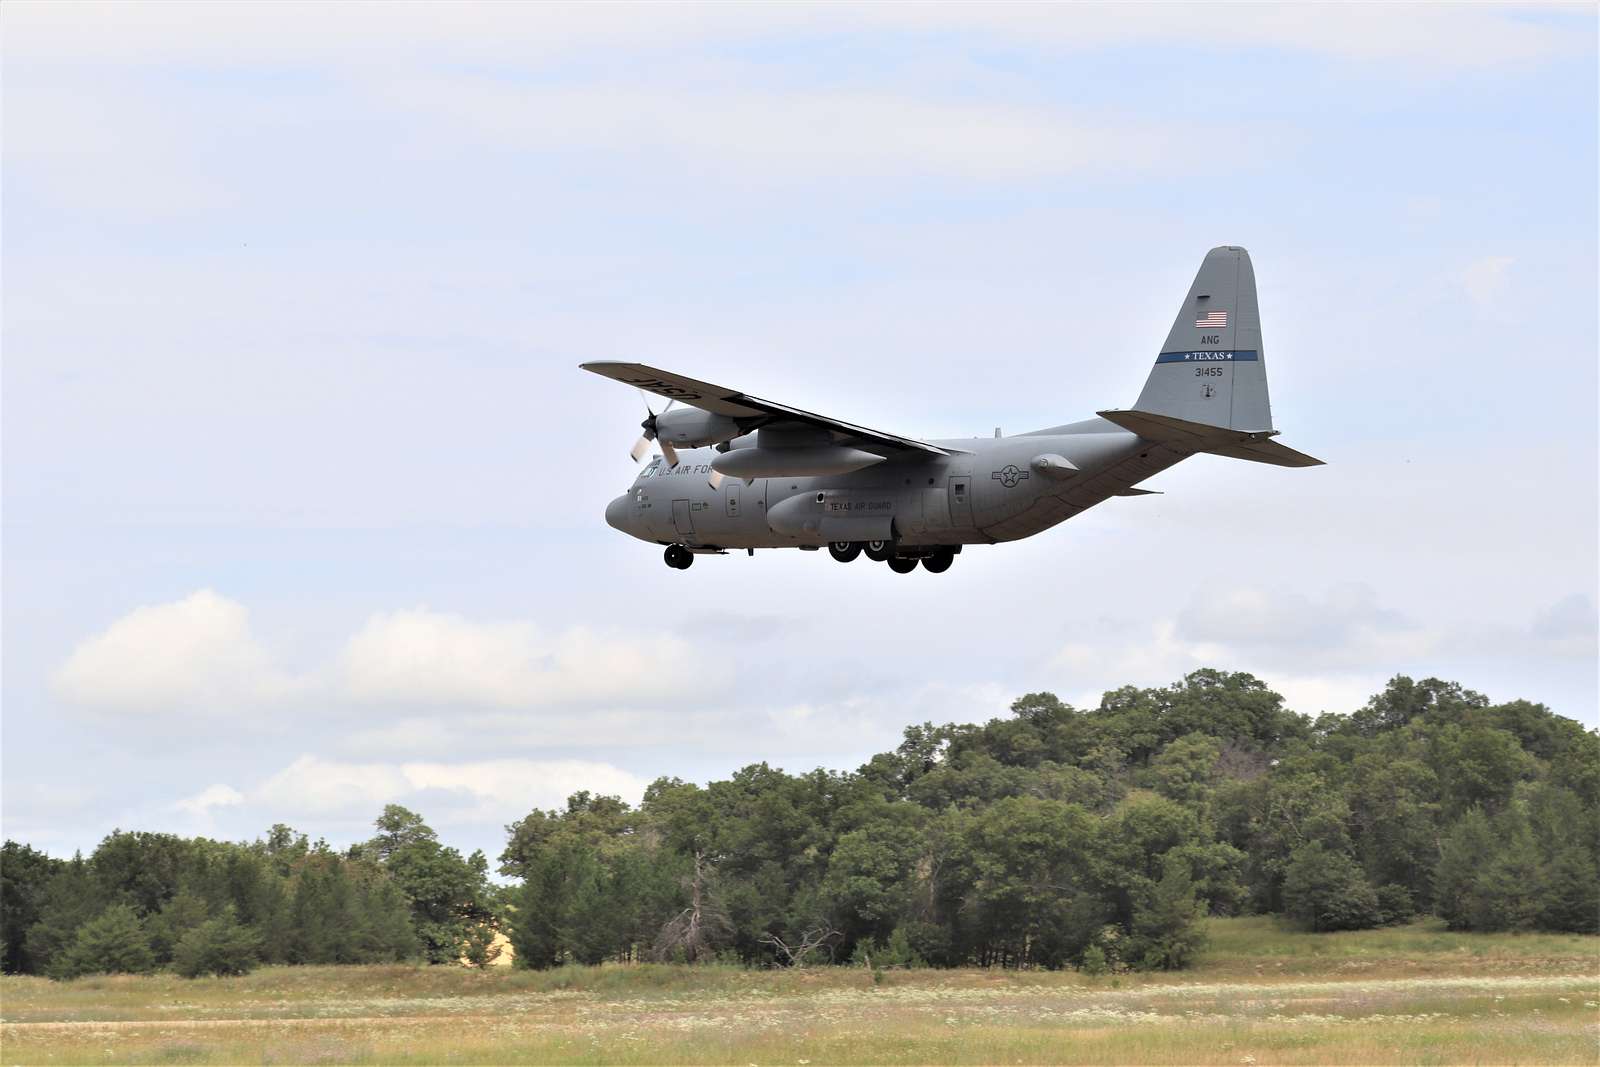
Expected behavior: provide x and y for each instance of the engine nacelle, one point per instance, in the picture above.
(693, 428)
(792, 462)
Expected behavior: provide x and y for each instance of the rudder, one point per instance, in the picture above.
(1212, 369)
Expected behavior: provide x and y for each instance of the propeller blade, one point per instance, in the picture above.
(714, 479)
(668, 451)
(640, 448)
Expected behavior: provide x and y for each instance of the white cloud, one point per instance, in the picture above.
(1316, 651)
(1430, 36)
(1569, 627)
(195, 654)
(812, 133)
(1486, 281)
(1162, 657)
(1343, 628)
(485, 790)
(610, 728)
(311, 785)
(200, 655)
(200, 805)
(1313, 695)
(426, 657)
(803, 730)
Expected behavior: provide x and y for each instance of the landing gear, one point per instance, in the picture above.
(902, 564)
(844, 551)
(678, 557)
(939, 560)
(878, 551)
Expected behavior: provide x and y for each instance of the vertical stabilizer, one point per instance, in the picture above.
(1212, 370)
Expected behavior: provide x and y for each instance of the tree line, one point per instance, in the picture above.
(1097, 838)
(144, 901)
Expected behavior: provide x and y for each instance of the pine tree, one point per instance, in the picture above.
(1170, 930)
(180, 915)
(539, 910)
(113, 943)
(219, 946)
(70, 899)
(1569, 892)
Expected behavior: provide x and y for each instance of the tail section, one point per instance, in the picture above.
(1212, 370)
(1208, 389)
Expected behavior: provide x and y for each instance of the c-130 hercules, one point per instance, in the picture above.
(738, 472)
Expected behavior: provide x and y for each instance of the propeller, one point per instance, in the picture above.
(642, 445)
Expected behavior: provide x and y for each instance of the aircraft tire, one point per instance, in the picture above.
(878, 551)
(902, 564)
(678, 557)
(844, 551)
(939, 561)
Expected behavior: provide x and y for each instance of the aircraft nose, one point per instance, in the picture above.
(617, 513)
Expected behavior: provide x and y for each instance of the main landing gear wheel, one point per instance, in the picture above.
(678, 557)
(939, 561)
(878, 551)
(902, 564)
(844, 551)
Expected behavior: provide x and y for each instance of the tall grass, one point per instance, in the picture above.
(1264, 993)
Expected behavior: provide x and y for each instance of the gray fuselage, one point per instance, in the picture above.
(988, 490)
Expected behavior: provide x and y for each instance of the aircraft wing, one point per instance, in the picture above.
(720, 400)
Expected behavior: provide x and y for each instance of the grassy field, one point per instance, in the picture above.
(1262, 994)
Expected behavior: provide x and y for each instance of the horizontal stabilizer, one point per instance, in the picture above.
(1131, 491)
(1217, 440)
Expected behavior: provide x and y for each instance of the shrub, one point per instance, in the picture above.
(1326, 890)
(217, 946)
(1395, 904)
(1170, 930)
(1571, 893)
(1094, 961)
(112, 943)
(480, 949)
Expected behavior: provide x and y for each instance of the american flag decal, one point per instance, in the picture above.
(1212, 320)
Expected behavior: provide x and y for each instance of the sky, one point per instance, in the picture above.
(303, 489)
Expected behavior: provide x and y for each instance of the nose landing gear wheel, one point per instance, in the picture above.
(678, 557)
(939, 561)
(902, 565)
(878, 551)
(844, 551)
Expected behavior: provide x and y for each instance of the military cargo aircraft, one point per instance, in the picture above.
(739, 472)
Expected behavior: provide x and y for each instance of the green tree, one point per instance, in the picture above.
(70, 899)
(25, 875)
(535, 922)
(112, 943)
(481, 949)
(1465, 850)
(1326, 890)
(1169, 927)
(1569, 892)
(449, 894)
(177, 917)
(219, 946)
(1186, 770)
(870, 879)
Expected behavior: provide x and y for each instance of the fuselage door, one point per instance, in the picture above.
(961, 499)
(681, 520)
